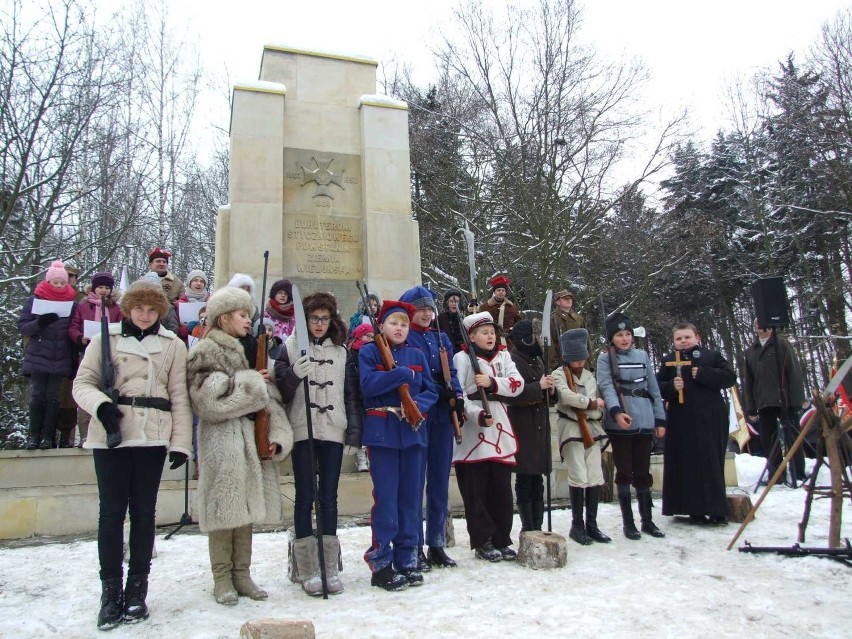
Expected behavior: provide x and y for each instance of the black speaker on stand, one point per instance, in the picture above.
(773, 312)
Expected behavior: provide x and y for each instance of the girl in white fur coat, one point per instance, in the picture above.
(235, 488)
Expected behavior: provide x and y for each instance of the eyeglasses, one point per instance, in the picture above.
(316, 319)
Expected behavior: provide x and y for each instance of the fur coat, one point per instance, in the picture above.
(235, 488)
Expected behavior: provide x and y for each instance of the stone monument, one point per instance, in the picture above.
(320, 177)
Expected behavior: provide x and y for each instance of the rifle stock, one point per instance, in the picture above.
(613, 371)
(265, 450)
(585, 431)
(445, 371)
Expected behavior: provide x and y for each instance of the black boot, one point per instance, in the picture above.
(645, 507)
(593, 497)
(438, 557)
(112, 604)
(51, 414)
(525, 512)
(537, 515)
(626, 503)
(36, 425)
(578, 529)
(389, 579)
(135, 608)
(423, 563)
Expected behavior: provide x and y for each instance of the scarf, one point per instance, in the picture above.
(484, 354)
(129, 329)
(45, 291)
(192, 296)
(278, 312)
(95, 301)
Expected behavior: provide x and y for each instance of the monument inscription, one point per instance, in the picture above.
(323, 246)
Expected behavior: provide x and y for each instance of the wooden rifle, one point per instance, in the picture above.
(474, 365)
(585, 431)
(410, 411)
(113, 435)
(448, 384)
(265, 450)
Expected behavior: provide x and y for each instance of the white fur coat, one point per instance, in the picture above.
(235, 488)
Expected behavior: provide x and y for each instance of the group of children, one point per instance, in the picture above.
(417, 404)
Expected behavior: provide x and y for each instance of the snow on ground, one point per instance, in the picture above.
(684, 585)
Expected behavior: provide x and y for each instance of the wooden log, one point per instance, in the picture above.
(739, 507)
(278, 629)
(541, 550)
(608, 465)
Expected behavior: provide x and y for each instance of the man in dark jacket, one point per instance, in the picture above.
(564, 318)
(772, 394)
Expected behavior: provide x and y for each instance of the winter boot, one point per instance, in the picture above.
(643, 496)
(333, 563)
(578, 529)
(593, 497)
(438, 557)
(488, 552)
(526, 515)
(221, 546)
(389, 579)
(537, 515)
(361, 460)
(36, 425)
(48, 432)
(135, 609)
(112, 604)
(506, 553)
(626, 503)
(414, 576)
(423, 563)
(306, 558)
(241, 560)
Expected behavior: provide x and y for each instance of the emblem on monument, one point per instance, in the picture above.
(323, 176)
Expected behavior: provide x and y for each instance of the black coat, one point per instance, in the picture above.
(528, 417)
(762, 379)
(696, 434)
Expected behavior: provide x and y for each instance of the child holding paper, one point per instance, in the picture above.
(48, 352)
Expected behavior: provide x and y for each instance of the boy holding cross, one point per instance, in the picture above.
(691, 380)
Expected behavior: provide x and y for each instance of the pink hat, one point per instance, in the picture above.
(361, 330)
(56, 272)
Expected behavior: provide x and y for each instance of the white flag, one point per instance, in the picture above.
(124, 284)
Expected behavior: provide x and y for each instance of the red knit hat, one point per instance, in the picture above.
(394, 306)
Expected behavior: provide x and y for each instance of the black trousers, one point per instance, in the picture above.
(486, 490)
(632, 457)
(529, 488)
(770, 417)
(128, 478)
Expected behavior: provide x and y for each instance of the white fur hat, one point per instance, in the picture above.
(240, 280)
(227, 300)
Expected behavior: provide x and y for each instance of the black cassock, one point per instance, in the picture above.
(696, 434)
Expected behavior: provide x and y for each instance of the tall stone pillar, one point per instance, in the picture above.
(320, 177)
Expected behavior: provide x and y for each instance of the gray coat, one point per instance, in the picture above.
(762, 379)
(637, 378)
(234, 488)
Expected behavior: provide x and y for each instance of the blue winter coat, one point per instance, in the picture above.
(48, 350)
(379, 388)
(637, 378)
(426, 341)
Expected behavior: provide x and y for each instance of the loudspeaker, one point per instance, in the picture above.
(770, 302)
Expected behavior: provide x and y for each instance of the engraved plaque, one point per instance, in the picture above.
(323, 246)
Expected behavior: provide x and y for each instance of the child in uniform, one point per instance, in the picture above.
(485, 458)
(397, 451)
(585, 474)
(631, 427)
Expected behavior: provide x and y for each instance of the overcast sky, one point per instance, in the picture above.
(692, 49)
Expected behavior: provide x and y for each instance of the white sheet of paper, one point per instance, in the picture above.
(90, 328)
(43, 307)
(188, 311)
(191, 341)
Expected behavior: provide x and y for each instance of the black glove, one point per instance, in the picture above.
(110, 416)
(446, 394)
(460, 409)
(177, 458)
(47, 318)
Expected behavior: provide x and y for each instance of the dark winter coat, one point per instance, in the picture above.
(761, 376)
(528, 416)
(85, 310)
(560, 322)
(450, 324)
(696, 434)
(48, 349)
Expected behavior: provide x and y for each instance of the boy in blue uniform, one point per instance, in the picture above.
(397, 451)
(439, 455)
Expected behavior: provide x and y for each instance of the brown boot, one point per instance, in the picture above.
(221, 546)
(240, 574)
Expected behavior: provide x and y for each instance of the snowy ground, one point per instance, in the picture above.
(684, 585)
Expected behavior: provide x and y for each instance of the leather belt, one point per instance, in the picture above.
(146, 402)
(638, 392)
(382, 411)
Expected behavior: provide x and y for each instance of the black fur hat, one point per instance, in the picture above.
(574, 345)
(450, 292)
(617, 322)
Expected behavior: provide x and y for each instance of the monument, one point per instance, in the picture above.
(320, 177)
